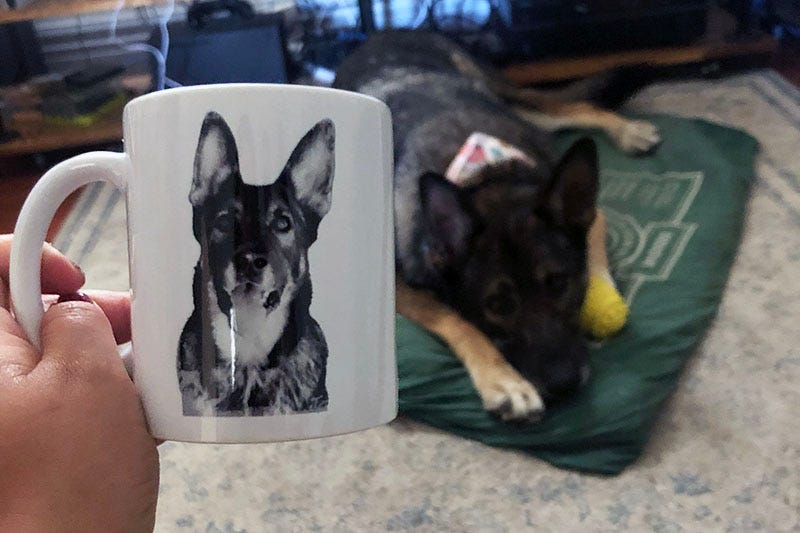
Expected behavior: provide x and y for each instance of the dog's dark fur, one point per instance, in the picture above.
(250, 346)
(510, 254)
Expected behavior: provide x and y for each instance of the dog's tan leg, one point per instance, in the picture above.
(548, 111)
(631, 136)
(502, 389)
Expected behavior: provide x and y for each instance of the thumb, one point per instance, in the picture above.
(76, 335)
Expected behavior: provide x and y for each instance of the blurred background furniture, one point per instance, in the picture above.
(53, 109)
(68, 66)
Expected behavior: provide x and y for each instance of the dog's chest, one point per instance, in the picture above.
(248, 336)
(290, 385)
(286, 387)
(254, 335)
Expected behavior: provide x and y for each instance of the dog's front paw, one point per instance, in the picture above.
(637, 137)
(506, 394)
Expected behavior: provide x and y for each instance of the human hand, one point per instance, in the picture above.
(75, 453)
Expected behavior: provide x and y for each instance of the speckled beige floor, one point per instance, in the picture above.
(725, 455)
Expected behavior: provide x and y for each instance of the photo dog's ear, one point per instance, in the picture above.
(216, 159)
(311, 166)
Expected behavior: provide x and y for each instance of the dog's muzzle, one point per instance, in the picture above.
(249, 265)
(559, 369)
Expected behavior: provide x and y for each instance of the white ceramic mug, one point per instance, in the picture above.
(240, 200)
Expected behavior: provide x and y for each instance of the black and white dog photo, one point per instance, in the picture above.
(251, 346)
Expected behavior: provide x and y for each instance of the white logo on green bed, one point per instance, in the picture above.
(646, 232)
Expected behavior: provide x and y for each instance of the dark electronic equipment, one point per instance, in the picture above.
(239, 46)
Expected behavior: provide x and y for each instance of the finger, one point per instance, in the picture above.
(5, 302)
(116, 306)
(17, 356)
(78, 335)
(59, 274)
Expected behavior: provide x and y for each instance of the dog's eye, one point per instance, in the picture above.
(282, 223)
(223, 223)
(502, 303)
(556, 283)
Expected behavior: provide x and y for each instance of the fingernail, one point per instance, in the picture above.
(77, 266)
(74, 297)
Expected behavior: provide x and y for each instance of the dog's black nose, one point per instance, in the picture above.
(565, 371)
(564, 388)
(250, 262)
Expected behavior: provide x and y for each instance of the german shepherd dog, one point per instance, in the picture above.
(499, 269)
(250, 346)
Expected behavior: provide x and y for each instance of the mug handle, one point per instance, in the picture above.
(34, 220)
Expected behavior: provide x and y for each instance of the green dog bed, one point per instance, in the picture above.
(675, 221)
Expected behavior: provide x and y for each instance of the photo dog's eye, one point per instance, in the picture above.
(282, 223)
(224, 222)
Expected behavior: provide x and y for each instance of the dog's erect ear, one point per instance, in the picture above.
(572, 197)
(216, 159)
(446, 216)
(311, 166)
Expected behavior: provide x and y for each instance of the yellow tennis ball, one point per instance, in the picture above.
(604, 311)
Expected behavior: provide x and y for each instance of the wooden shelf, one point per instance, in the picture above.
(573, 68)
(39, 9)
(36, 135)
